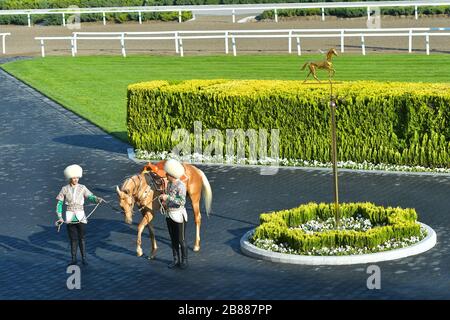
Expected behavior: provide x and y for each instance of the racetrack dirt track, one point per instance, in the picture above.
(22, 42)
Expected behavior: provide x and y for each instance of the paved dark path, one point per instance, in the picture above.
(39, 138)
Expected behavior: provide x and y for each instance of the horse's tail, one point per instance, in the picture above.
(207, 192)
(304, 66)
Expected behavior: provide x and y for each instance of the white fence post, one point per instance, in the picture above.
(416, 14)
(410, 41)
(72, 45)
(342, 41)
(180, 45)
(177, 48)
(427, 40)
(104, 19)
(4, 44)
(368, 13)
(299, 48)
(42, 48)
(64, 19)
(233, 12)
(122, 44)
(290, 42)
(180, 19)
(233, 42)
(140, 17)
(323, 14)
(276, 16)
(363, 45)
(226, 43)
(29, 20)
(75, 45)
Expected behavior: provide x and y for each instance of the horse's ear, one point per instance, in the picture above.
(118, 190)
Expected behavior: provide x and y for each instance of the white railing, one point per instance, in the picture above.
(227, 35)
(3, 36)
(232, 9)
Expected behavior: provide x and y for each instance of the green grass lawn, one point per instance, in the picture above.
(96, 87)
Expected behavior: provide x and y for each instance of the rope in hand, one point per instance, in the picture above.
(60, 223)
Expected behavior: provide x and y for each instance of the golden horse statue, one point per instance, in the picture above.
(324, 64)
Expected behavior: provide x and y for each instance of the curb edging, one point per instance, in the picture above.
(252, 251)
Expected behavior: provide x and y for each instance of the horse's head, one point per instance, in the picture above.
(126, 201)
(150, 167)
(332, 51)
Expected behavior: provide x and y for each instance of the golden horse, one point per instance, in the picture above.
(137, 190)
(324, 64)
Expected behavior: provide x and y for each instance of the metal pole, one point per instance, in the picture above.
(140, 17)
(179, 17)
(334, 155)
(299, 48)
(177, 50)
(323, 14)
(368, 13)
(416, 14)
(234, 15)
(342, 41)
(29, 20)
(104, 19)
(427, 40)
(64, 19)
(276, 16)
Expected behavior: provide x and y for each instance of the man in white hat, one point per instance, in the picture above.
(73, 194)
(175, 200)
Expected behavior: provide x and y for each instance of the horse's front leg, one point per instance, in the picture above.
(141, 228)
(198, 221)
(151, 230)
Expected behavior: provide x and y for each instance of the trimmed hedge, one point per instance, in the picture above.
(56, 19)
(354, 12)
(391, 123)
(394, 223)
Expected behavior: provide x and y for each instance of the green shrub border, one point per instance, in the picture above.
(393, 223)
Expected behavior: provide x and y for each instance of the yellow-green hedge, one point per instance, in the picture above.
(395, 223)
(380, 122)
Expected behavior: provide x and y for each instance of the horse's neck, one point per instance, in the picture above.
(329, 56)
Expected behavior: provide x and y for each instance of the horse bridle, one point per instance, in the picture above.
(144, 193)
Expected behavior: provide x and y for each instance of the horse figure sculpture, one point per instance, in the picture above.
(324, 64)
(145, 188)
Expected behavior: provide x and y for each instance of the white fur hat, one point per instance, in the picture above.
(174, 168)
(73, 171)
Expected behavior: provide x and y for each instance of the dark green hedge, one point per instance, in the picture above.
(390, 223)
(355, 12)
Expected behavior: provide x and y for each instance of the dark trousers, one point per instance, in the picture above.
(76, 233)
(176, 232)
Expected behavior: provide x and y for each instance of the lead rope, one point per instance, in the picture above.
(59, 224)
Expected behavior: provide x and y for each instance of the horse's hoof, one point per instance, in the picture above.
(152, 257)
(196, 248)
(139, 253)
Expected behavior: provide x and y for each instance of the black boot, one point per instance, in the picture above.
(73, 252)
(176, 259)
(184, 257)
(83, 251)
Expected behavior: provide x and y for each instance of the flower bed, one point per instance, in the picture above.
(365, 228)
